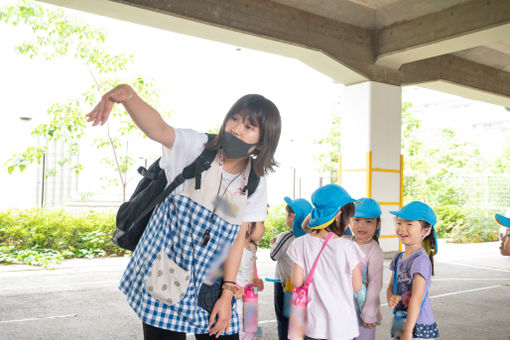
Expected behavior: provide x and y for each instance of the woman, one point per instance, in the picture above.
(194, 231)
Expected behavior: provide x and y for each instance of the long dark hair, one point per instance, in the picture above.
(262, 113)
(340, 227)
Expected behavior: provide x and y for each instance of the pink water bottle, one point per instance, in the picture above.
(297, 320)
(251, 310)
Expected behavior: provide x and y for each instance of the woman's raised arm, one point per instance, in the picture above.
(145, 116)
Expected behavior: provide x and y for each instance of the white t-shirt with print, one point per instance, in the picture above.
(188, 145)
(330, 310)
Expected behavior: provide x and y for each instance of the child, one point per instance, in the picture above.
(365, 226)
(414, 224)
(246, 273)
(296, 211)
(330, 309)
(505, 242)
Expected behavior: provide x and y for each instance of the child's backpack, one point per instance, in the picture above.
(133, 215)
(297, 321)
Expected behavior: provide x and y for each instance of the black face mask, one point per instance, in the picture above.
(234, 147)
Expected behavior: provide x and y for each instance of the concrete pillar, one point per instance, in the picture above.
(371, 162)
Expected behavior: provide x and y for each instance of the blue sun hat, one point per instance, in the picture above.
(419, 211)
(301, 208)
(504, 221)
(368, 208)
(327, 200)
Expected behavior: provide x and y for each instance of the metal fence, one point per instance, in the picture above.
(489, 193)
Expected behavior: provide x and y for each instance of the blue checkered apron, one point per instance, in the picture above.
(177, 226)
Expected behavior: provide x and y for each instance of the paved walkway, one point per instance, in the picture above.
(79, 299)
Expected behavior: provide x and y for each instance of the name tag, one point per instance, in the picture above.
(227, 208)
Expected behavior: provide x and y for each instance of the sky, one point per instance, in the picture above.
(197, 80)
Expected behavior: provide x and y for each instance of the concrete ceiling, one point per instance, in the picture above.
(457, 46)
(371, 14)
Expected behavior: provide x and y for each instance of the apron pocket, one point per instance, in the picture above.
(166, 281)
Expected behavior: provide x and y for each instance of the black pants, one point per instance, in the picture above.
(283, 322)
(154, 333)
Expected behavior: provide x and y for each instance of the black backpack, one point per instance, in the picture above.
(133, 215)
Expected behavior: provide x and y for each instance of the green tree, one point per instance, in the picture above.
(57, 35)
(328, 160)
(501, 165)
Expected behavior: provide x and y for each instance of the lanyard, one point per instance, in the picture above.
(242, 174)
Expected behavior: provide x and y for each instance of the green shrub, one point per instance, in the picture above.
(275, 224)
(449, 218)
(465, 225)
(46, 237)
(478, 228)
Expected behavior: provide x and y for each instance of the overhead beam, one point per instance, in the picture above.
(349, 45)
(460, 27)
(341, 51)
(466, 77)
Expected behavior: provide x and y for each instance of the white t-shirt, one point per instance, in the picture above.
(246, 267)
(188, 145)
(330, 310)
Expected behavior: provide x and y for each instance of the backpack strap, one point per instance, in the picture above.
(199, 165)
(253, 182)
(196, 168)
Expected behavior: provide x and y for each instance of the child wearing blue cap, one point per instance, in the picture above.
(504, 248)
(296, 211)
(330, 309)
(365, 227)
(408, 291)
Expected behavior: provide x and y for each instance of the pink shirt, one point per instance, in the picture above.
(374, 258)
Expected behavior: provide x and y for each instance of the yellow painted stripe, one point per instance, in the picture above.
(369, 174)
(386, 170)
(389, 203)
(388, 236)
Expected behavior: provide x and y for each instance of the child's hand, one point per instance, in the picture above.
(369, 325)
(259, 283)
(406, 335)
(393, 300)
(273, 240)
(239, 292)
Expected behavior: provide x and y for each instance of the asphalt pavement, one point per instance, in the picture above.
(79, 299)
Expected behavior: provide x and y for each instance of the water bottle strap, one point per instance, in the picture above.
(309, 279)
(395, 284)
